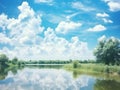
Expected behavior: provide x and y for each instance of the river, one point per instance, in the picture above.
(33, 78)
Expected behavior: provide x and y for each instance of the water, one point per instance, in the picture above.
(53, 79)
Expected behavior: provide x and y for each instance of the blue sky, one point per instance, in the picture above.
(56, 29)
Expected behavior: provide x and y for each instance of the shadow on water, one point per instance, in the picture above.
(77, 73)
(45, 66)
(106, 85)
(103, 81)
(3, 73)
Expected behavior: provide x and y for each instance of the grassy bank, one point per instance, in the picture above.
(94, 68)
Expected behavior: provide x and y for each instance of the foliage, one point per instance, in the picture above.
(106, 85)
(75, 64)
(87, 61)
(3, 60)
(107, 70)
(108, 51)
(94, 68)
(48, 62)
(15, 60)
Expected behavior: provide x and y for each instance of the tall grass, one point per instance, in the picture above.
(98, 68)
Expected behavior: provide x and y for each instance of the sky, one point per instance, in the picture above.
(56, 29)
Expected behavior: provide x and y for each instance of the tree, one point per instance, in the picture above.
(3, 59)
(75, 64)
(108, 51)
(15, 60)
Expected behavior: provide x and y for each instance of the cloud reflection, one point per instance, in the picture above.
(44, 79)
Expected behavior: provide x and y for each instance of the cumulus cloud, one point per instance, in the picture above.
(114, 5)
(25, 27)
(3, 21)
(74, 49)
(66, 26)
(97, 28)
(103, 38)
(26, 42)
(4, 39)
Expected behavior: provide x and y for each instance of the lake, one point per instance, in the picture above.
(51, 78)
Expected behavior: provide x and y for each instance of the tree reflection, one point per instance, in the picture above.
(45, 66)
(3, 73)
(107, 85)
(75, 74)
(14, 70)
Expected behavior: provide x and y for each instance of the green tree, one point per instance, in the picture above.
(75, 64)
(15, 60)
(108, 51)
(3, 59)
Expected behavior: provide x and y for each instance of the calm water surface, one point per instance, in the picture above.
(53, 79)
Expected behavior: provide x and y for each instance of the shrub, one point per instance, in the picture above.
(107, 70)
(75, 64)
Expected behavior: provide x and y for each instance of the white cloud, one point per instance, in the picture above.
(52, 47)
(97, 28)
(4, 39)
(50, 2)
(102, 15)
(52, 18)
(43, 1)
(114, 5)
(71, 16)
(107, 20)
(80, 6)
(102, 38)
(25, 11)
(27, 44)
(66, 26)
(26, 26)
(74, 49)
(3, 21)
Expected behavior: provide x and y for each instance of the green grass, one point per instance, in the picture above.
(96, 68)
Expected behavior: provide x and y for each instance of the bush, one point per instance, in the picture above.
(75, 64)
(107, 70)
(119, 72)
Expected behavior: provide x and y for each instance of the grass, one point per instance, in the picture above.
(96, 68)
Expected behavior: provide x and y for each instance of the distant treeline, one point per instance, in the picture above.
(5, 61)
(48, 62)
(58, 61)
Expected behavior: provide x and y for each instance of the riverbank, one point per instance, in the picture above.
(75, 66)
(94, 68)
